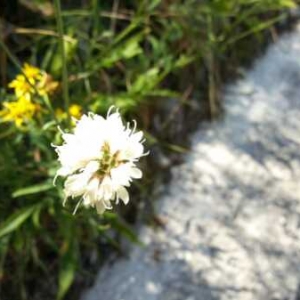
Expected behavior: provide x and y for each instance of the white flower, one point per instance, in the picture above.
(99, 160)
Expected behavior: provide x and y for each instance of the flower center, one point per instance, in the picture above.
(108, 160)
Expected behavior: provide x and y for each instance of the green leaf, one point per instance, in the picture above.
(135, 23)
(183, 60)
(34, 189)
(66, 272)
(153, 4)
(151, 139)
(36, 217)
(287, 3)
(70, 50)
(163, 93)
(145, 82)
(125, 51)
(48, 125)
(121, 227)
(177, 148)
(259, 27)
(16, 220)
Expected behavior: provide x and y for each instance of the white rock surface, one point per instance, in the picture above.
(233, 208)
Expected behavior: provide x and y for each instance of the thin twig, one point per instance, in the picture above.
(177, 107)
(63, 57)
(114, 12)
(17, 64)
(120, 16)
(211, 76)
(22, 30)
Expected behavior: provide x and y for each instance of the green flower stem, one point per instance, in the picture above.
(95, 7)
(59, 22)
(15, 62)
(50, 107)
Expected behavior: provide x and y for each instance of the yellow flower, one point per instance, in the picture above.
(33, 81)
(75, 111)
(22, 87)
(32, 72)
(47, 85)
(20, 111)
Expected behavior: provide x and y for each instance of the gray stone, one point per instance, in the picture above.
(232, 209)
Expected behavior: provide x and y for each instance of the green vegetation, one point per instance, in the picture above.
(131, 54)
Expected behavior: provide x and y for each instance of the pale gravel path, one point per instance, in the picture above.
(233, 208)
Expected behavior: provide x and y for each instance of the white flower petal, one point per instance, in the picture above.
(100, 207)
(123, 194)
(136, 173)
(121, 175)
(75, 185)
(92, 167)
(91, 192)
